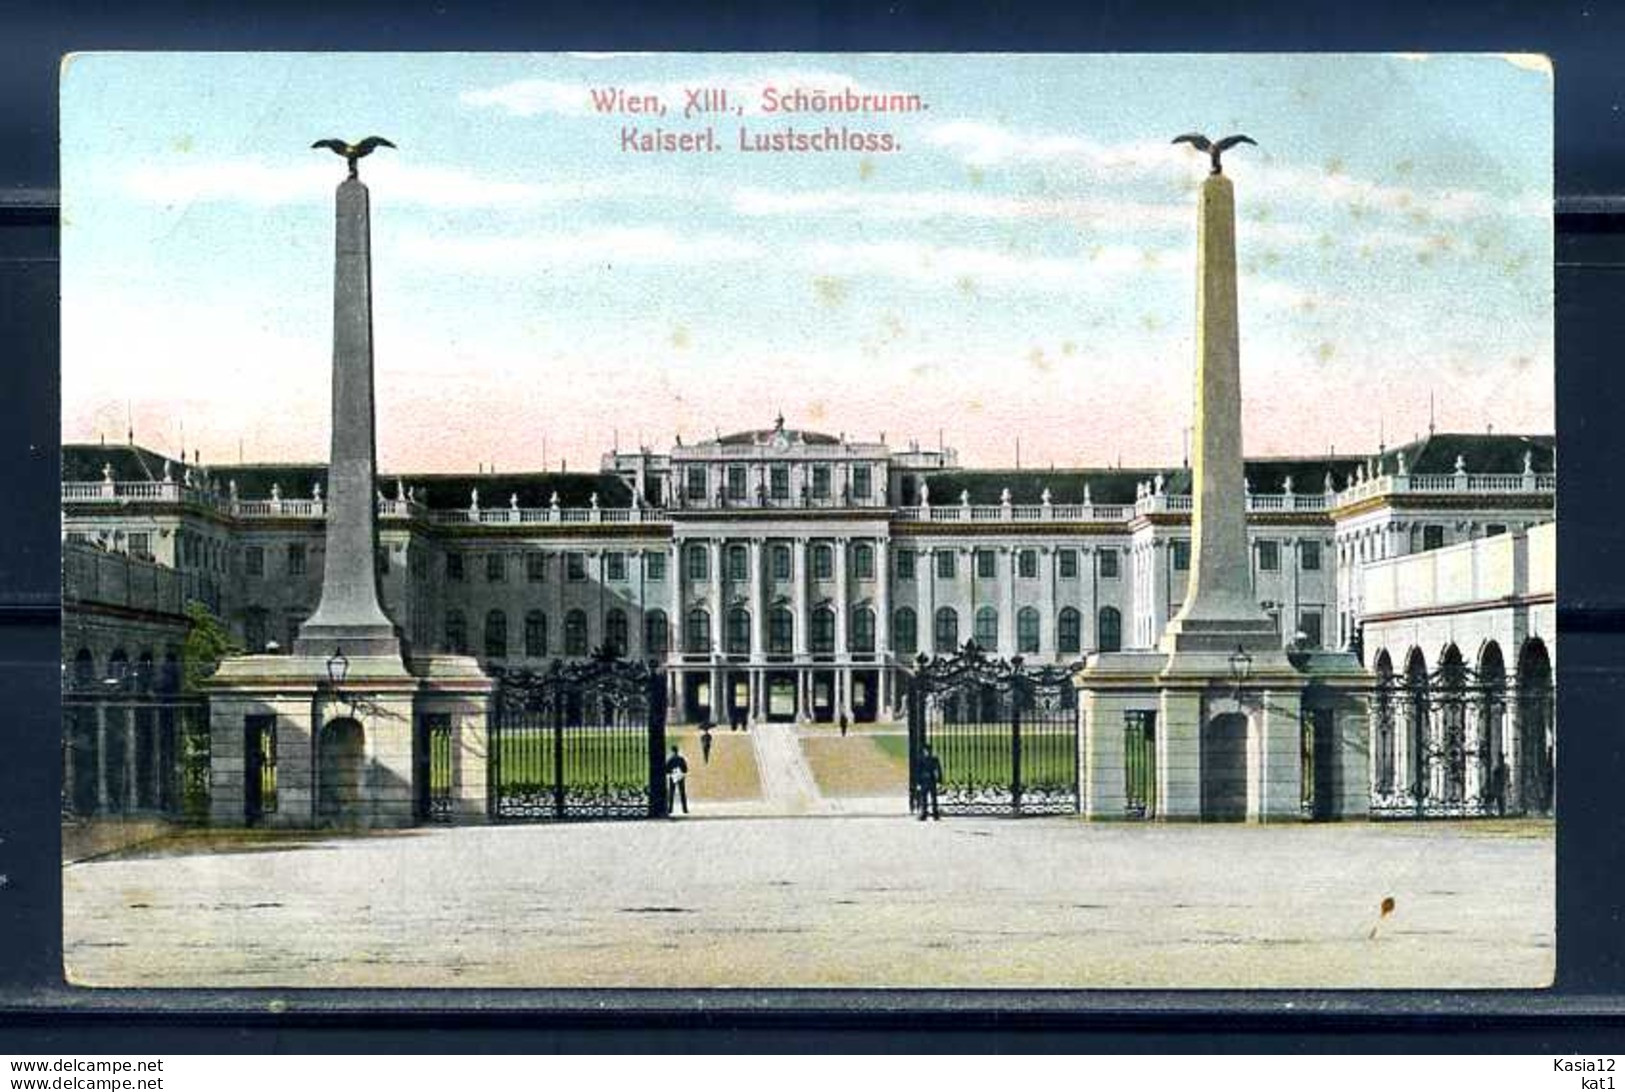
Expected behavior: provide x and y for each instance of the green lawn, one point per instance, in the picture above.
(971, 756)
(591, 758)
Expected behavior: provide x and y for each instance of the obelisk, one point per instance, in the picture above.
(1219, 612)
(350, 616)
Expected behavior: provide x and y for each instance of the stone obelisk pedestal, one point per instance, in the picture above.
(1223, 748)
(348, 712)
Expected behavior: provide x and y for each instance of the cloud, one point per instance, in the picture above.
(924, 262)
(929, 204)
(255, 182)
(574, 98)
(611, 246)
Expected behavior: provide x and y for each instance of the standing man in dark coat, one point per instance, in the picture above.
(676, 781)
(705, 742)
(930, 778)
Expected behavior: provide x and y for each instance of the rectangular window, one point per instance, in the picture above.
(1182, 555)
(699, 562)
(781, 563)
(1493, 529)
(862, 482)
(1309, 554)
(945, 564)
(738, 563)
(863, 561)
(615, 566)
(1027, 564)
(778, 482)
(296, 559)
(138, 544)
(254, 561)
(1309, 625)
(1068, 563)
(736, 483)
(905, 564)
(696, 483)
(654, 566)
(1108, 564)
(575, 567)
(496, 568)
(1432, 536)
(1269, 556)
(987, 565)
(454, 566)
(535, 567)
(823, 559)
(820, 482)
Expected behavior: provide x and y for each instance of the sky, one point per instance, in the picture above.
(1019, 266)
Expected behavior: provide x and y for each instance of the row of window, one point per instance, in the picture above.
(735, 483)
(736, 635)
(697, 565)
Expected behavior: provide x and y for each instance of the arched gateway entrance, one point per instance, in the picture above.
(1224, 768)
(340, 762)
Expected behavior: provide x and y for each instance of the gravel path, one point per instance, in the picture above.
(832, 901)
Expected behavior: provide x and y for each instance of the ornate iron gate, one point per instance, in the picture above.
(583, 740)
(1440, 744)
(1004, 733)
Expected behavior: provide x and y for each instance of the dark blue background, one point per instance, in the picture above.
(1582, 1013)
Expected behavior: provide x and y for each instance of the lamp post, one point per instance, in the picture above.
(338, 667)
(1241, 668)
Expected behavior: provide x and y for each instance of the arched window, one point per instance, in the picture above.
(1453, 727)
(863, 561)
(655, 642)
(118, 669)
(1069, 631)
(905, 631)
(615, 631)
(780, 632)
(697, 631)
(84, 668)
(1537, 739)
(823, 562)
(987, 629)
(1027, 630)
(456, 632)
(496, 635)
(1491, 743)
(823, 631)
(736, 639)
(169, 676)
(1110, 629)
(535, 634)
(1416, 724)
(947, 632)
(863, 630)
(575, 633)
(1382, 713)
(143, 672)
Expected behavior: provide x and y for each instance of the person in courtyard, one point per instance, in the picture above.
(930, 778)
(676, 778)
(705, 742)
(843, 724)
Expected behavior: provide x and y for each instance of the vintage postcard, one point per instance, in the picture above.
(790, 520)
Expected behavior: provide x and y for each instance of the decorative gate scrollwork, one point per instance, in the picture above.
(1005, 734)
(1440, 744)
(582, 740)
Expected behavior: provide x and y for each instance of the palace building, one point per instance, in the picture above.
(777, 574)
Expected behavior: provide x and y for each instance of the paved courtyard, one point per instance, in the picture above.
(827, 900)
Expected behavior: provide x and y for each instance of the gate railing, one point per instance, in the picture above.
(582, 740)
(1004, 733)
(126, 752)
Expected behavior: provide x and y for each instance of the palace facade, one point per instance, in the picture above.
(780, 573)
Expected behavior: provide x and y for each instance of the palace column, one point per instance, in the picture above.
(883, 624)
(1007, 624)
(798, 593)
(718, 606)
(1048, 617)
(843, 652)
(758, 622)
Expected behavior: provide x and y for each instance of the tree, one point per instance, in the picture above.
(208, 641)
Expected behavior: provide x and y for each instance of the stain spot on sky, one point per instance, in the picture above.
(866, 169)
(680, 337)
(1325, 351)
(1038, 361)
(831, 291)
